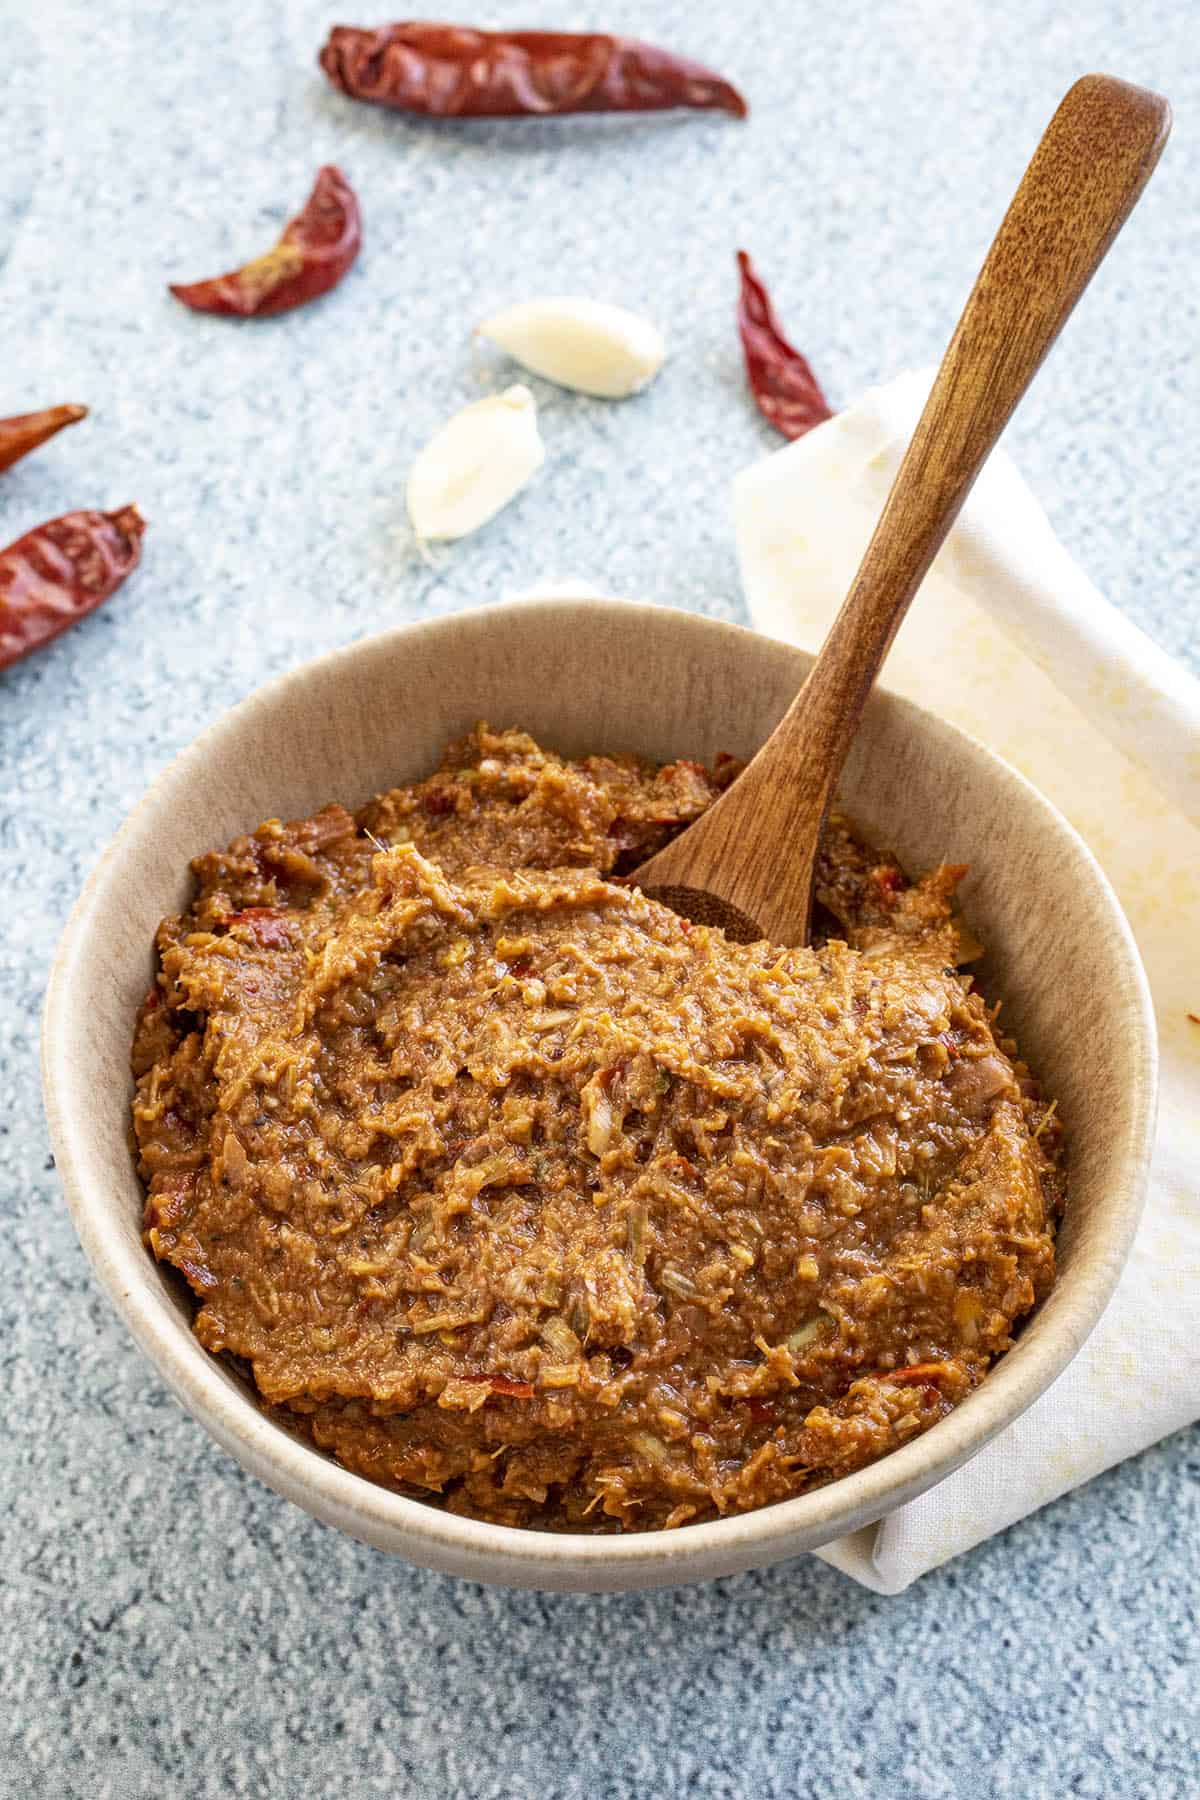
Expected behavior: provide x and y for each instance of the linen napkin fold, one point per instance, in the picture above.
(1009, 640)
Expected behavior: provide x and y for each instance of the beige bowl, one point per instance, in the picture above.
(582, 676)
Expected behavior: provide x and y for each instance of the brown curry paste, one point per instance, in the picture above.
(513, 1188)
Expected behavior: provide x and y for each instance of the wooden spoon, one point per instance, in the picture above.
(747, 864)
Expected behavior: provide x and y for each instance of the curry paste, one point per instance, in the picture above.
(512, 1188)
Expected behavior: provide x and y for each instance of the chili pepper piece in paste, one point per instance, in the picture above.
(61, 571)
(516, 1390)
(915, 1374)
(784, 386)
(456, 72)
(26, 431)
(315, 251)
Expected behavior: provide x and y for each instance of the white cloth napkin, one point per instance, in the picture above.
(1010, 640)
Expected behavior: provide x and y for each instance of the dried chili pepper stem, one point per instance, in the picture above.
(61, 571)
(25, 431)
(315, 251)
(785, 389)
(456, 72)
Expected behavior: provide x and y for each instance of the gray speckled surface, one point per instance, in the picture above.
(167, 1625)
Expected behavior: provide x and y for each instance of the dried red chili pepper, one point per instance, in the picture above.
(25, 431)
(455, 72)
(315, 251)
(783, 384)
(60, 572)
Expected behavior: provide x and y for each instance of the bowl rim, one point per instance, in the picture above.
(424, 1532)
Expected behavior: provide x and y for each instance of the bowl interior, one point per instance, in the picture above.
(586, 676)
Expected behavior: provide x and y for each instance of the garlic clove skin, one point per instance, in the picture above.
(474, 465)
(587, 345)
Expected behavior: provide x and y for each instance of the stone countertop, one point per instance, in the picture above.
(166, 1624)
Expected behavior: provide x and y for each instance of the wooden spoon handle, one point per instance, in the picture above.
(756, 848)
(1096, 156)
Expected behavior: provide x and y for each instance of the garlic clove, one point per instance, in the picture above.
(583, 344)
(474, 465)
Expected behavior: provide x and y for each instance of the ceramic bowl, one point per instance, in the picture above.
(586, 676)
